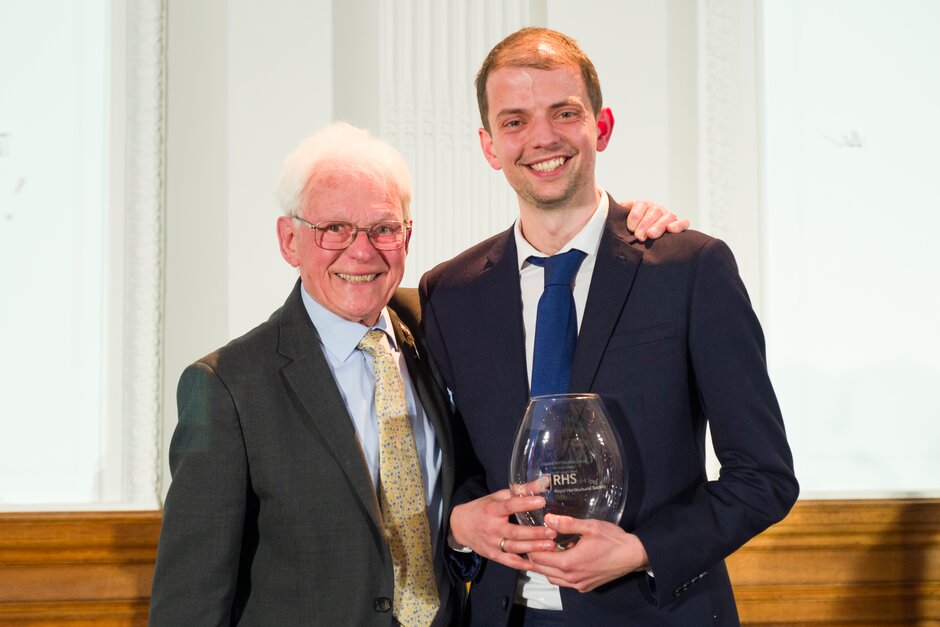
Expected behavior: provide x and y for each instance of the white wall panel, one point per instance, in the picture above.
(405, 70)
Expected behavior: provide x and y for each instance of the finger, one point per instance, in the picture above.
(659, 227)
(649, 220)
(554, 574)
(532, 488)
(636, 209)
(678, 226)
(524, 547)
(567, 524)
(502, 495)
(580, 586)
(520, 504)
(542, 484)
(564, 574)
(527, 533)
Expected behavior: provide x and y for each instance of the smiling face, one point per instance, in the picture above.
(544, 136)
(355, 283)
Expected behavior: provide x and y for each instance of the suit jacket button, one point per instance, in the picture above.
(504, 603)
(382, 604)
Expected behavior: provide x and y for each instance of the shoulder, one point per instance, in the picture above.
(245, 353)
(689, 242)
(468, 265)
(687, 245)
(405, 304)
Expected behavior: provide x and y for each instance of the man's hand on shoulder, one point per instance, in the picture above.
(648, 219)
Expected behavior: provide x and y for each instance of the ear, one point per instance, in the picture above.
(486, 143)
(287, 239)
(605, 128)
(408, 236)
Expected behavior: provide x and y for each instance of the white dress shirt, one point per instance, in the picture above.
(352, 370)
(533, 589)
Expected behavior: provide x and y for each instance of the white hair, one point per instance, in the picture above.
(341, 146)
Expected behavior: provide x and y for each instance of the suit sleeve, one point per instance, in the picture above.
(757, 486)
(468, 475)
(197, 565)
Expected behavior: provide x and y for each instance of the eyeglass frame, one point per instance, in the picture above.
(355, 233)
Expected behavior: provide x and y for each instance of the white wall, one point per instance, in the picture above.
(645, 55)
(848, 304)
(246, 82)
(852, 212)
(53, 216)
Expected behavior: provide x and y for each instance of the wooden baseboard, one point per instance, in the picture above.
(872, 562)
(77, 568)
(859, 562)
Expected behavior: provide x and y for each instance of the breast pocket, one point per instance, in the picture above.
(643, 336)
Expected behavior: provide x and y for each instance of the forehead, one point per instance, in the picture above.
(338, 193)
(526, 87)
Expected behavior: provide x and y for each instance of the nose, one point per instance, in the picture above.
(361, 246)
(542, 132)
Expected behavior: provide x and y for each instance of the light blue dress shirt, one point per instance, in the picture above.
(352, 370)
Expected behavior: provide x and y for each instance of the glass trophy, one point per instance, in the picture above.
(567, 451)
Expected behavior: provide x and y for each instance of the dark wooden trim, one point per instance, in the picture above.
(77, 567)
(847, 562)
(839, 562)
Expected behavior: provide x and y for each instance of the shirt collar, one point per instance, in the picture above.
(587, 240)
(338, 335)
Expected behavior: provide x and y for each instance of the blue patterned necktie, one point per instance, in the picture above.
(556, 324)
(402, 495)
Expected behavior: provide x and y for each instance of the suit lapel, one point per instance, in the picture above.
(310, 379)
(502, 329)
(614, 272)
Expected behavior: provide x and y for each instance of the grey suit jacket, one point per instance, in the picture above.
(272, 518)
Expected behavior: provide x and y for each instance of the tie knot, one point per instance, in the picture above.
(374, 342)
(560, 269)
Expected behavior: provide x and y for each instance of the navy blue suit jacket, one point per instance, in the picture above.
(670, 341)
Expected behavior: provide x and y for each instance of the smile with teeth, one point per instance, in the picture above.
(550, 165)
(357, 278)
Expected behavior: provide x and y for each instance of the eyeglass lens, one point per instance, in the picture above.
(384, 235)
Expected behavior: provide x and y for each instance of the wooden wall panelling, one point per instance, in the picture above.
(873, 562)
(77, 568)
(843, 562)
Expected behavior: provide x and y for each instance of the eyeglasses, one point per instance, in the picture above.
(389, 235)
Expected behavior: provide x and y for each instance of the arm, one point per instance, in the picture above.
(757, 487)
(200, 542)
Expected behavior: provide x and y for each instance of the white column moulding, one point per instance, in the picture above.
(422, 100)
(144, 247)
(729, 159)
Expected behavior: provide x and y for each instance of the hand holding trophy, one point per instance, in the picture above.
(566, 451)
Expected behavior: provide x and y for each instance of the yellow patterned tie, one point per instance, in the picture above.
(404, 505)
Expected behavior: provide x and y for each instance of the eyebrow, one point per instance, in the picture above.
(557, 105)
